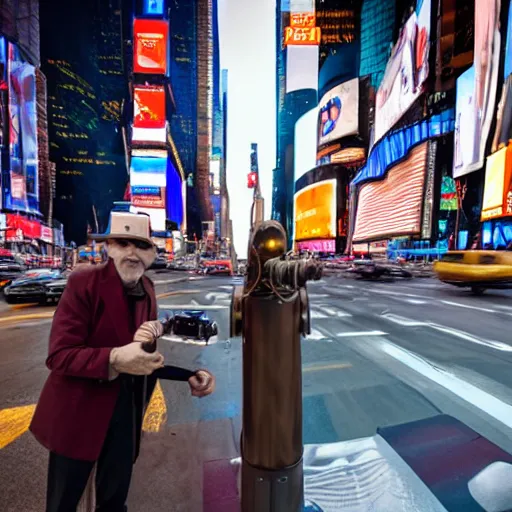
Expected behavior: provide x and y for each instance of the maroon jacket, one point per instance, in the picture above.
(78, 400)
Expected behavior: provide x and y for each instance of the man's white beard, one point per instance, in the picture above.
(130, 274)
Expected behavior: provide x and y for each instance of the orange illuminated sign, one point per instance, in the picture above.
(302, 36)
(149, 107)
(303, 19)
(315, 211)
(150, 200)
(150, 46)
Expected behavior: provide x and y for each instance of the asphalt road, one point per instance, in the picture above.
(379, 354)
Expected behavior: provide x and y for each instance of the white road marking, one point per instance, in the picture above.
(318, 296)
(226, 287)
(217, 295)
(467, 306)
(335, 312)
(316, 335)
(315, 313)
(484, 401)
(195, 306)
(416, 302)
(397, 294)
(360, 333)
(407, 322)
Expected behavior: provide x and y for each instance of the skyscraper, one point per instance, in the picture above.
(86, 86)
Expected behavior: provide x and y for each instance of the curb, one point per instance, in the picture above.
(171, 281)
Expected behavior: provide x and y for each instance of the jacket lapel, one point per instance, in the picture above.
(150, 292)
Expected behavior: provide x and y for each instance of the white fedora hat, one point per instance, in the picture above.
(128, 226)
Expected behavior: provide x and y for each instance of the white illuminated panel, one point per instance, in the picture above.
(149, 135)
(301, 68)
(147, 179)
(305, 143)
(156, 215)
(152, 153)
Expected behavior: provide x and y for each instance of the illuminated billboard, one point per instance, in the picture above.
(303, 19)
(149, 135)
(148, 197)
(338, 114)
(298, 36)
(301, 68)
(305, 143)
(150, 46)
(156, 215)
(149, 106)
(406, 70)
(508, 46)
(153, 7)
(23, 193)
(392, 207)
(148, 171)
(476, 92)
(315, 211)
(498, 185)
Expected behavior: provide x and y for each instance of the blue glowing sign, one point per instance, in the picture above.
(145, 164)
(154, 7)
(145, 191)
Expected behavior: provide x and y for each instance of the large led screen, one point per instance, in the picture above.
(24, 191)
(301, 68)
(508, 46)
(157, 217)
(497, 200)
(305, 143)
(149, 135)
(406, 70)
(150, 51)
(149, 106)
(338, 112)
(476, 92)
(153, 7)
(148, 171)
(315, 211)
(393, 206)
(148, 197)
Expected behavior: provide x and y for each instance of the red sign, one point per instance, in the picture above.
(150, 47)
(303, 19)
(29, 228)
(149, 200)
(302, 36)
(252, 180)
(149, 107)
(46, 234)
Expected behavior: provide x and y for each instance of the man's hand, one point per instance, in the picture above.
(202, 383)
(148, 333)
(132, 359)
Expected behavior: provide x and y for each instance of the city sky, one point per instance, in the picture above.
(247, 50)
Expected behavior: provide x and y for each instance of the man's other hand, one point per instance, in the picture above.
(148, 333)
(132, 359)
(202, 383)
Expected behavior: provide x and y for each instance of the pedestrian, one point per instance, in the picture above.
(90, 411)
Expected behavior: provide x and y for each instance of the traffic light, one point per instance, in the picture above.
(252, 179)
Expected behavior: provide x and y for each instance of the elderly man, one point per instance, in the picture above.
(90, 412)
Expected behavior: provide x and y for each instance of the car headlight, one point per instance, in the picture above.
(6, 290)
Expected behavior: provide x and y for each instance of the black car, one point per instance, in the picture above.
(194, 324)
(160, 263)
(39, 285)
(10, 269)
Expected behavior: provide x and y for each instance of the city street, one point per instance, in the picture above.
(379, 354)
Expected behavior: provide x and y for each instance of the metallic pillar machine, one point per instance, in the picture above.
(271, 311)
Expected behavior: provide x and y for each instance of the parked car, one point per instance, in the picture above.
(10, 269)
(40, 286)
(159, 263)
(194, 324)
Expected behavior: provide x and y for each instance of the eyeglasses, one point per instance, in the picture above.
(139, 244)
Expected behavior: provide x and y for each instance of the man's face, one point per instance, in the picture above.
(131, 258)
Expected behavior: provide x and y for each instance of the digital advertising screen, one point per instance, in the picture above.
(476, 92)
(406, 70)
(338, 114)
(150, 46)
(392, 207)
(153, 7)
(508, 46)
(305, 143)
(315, 211)
(149, 106)
(497, 200)
(148, 171)
(301, 68)
(148, 197)
(449, 201)
(156, 215)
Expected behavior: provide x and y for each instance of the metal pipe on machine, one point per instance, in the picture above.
(272, 311)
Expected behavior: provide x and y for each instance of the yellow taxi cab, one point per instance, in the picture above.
(478, 270)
